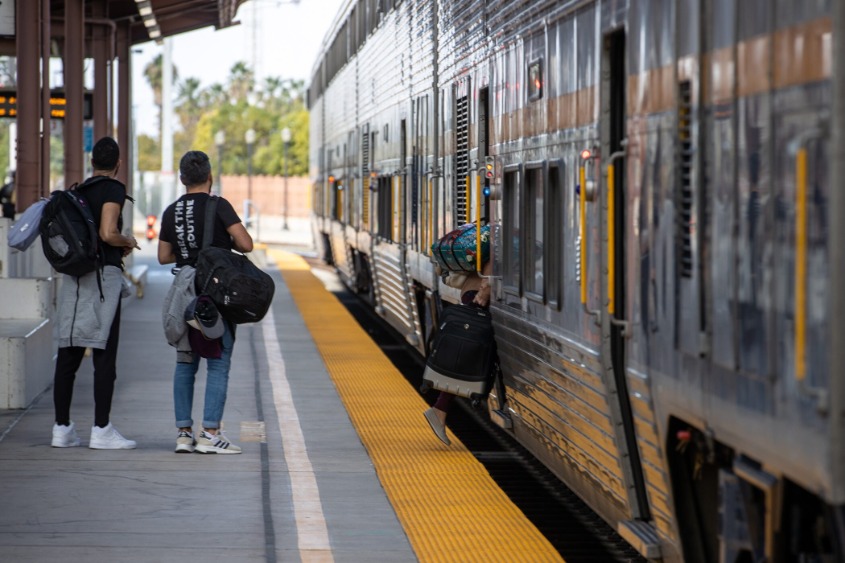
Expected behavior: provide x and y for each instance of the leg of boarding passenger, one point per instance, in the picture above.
(443, 402)
(436, 416)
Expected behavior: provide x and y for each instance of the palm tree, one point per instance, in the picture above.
(189, 104)
(153, 73)
(241, 81)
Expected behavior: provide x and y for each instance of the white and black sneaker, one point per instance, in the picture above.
(215, 444)
(185, 442)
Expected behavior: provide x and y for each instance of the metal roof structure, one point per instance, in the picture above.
(155, 19)
(104, 32)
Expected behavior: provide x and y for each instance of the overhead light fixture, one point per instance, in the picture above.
(145, 10)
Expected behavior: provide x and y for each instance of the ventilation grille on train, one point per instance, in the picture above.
(365, 179)
(684, 187)
(461, 158)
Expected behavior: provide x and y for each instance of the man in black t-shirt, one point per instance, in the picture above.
(180, 241)
(89, 309)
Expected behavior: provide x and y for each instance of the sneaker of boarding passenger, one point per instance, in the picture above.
(437, 425)
(65, 436)
(208, 443)
(109, 438)
(185, 442)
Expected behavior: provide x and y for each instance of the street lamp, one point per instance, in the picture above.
(219, 140)
(250, 140)
(285, 143)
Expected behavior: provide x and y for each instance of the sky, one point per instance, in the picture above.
(278, 37)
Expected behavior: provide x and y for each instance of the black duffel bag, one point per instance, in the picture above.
(241, 291)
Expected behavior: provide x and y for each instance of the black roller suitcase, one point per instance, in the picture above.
(463, 352)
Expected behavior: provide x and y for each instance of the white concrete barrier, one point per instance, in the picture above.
(27, 309)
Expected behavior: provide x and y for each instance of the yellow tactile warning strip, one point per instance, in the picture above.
(449, 506)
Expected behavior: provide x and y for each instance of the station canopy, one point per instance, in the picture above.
(156, 19)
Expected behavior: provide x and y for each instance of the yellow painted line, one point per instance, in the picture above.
(450, 507)
(311, 530)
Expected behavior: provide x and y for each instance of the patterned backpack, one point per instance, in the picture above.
(456, 252)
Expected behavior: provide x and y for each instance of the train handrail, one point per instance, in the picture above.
(801, 244)
(801, 263)
(610, 171)
(586, 155)
(478, 265)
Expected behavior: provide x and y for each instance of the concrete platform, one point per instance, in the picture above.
(307, 491)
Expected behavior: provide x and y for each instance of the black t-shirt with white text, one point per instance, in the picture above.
(98, 191)
(183, 225)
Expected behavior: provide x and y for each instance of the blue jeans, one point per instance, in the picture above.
(217, 382)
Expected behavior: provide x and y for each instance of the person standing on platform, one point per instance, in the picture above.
(178, 245)
(89, 317)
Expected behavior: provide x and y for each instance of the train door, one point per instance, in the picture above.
(615, 327)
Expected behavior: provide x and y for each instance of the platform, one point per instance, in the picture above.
(331, 470)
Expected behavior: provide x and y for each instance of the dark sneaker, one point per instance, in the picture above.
(65, 436)
(215, 444)
(437, 426)
(185, 442)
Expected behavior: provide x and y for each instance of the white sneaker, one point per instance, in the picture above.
(65, 436)
(215, 444)
(109, 438)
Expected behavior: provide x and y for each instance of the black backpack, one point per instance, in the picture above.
(241, 291)
(69, 233)
(464, 347)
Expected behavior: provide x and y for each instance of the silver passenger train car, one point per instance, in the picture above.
(659, 176)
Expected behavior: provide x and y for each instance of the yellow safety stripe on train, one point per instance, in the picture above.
(449, 506)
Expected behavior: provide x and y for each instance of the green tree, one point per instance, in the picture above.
(149, 153)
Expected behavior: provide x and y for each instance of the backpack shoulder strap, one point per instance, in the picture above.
(210, 217)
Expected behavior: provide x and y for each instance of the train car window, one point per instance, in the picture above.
(554, 247)
(338, 193)
(535, 80)
(534, 232)
(511, 235)
(382, 193)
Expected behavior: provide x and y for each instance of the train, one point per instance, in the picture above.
(667, 241)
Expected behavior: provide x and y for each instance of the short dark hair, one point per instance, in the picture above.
(105, 154)
(194, 168)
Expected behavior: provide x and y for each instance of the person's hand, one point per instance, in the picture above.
(133, 244)
(482, 296)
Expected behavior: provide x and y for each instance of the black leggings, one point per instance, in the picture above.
(105, 373)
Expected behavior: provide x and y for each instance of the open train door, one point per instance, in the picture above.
(614, 84)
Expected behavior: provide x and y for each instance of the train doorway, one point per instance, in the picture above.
(614, 116)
